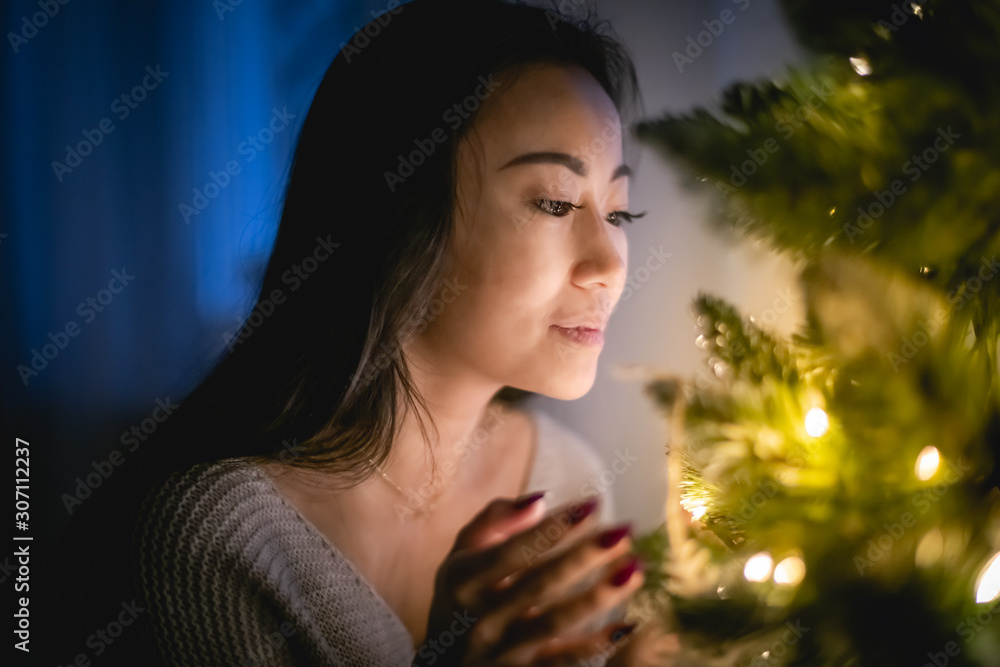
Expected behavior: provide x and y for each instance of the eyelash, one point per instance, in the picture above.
(623, 215)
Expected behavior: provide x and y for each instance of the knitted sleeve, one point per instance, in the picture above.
(232, 576)
(206, 601)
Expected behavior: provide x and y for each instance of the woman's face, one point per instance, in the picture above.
(539, 256)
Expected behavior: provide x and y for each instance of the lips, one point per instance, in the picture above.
(582, 335)
(594, 322)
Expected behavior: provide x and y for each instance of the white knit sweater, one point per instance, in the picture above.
(233, 575)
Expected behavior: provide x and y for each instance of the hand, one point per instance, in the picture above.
(504, 595)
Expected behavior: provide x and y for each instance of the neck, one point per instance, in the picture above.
(459, 418)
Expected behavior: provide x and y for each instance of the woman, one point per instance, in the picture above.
(453, 228)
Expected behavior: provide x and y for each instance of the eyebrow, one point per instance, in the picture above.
(574, 164)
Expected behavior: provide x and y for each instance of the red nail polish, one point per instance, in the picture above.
(613, 536)
(625, 573)
(578, 513)
(528, 499)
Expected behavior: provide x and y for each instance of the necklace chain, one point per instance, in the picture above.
(423, 509)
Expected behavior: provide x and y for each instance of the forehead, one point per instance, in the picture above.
(549, 107)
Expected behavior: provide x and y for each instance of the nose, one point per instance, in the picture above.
(602, 253)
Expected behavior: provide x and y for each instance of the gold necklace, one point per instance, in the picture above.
(422, 508)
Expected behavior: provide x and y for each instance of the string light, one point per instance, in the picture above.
(758, 567)
(930, 548)
(790, 571)
(861, 65)
(817, 422)
(927, 463)
(988, 583)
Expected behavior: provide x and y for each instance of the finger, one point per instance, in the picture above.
(562, 619)
(500, 519)
(556, 577)
(487, 568)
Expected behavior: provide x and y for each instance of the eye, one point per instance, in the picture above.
(615, 217)
(560, 209)
(554, 207)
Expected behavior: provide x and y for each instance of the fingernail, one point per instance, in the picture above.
(580, 512)
(613, 536)
(623, 632)
(626, 572)
(528, 499)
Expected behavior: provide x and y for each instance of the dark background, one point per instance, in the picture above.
(223, 71)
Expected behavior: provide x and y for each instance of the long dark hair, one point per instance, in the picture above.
(368, 220)
(315, 377)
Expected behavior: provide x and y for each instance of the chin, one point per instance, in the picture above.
(566, 389)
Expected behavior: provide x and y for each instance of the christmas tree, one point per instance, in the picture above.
(833, 494)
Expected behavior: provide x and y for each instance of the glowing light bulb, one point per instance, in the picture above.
(930, 548)
(928, 461)
(758, 567)
(790, 571)
(698, 511)
(988, 583)
(817, 423)
(861, 65)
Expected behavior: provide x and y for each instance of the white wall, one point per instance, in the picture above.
(654, 326)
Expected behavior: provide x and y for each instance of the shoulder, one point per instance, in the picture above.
(202, 536)
(191, 506)
(567, 464)
(205, 490)
(232, 572)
